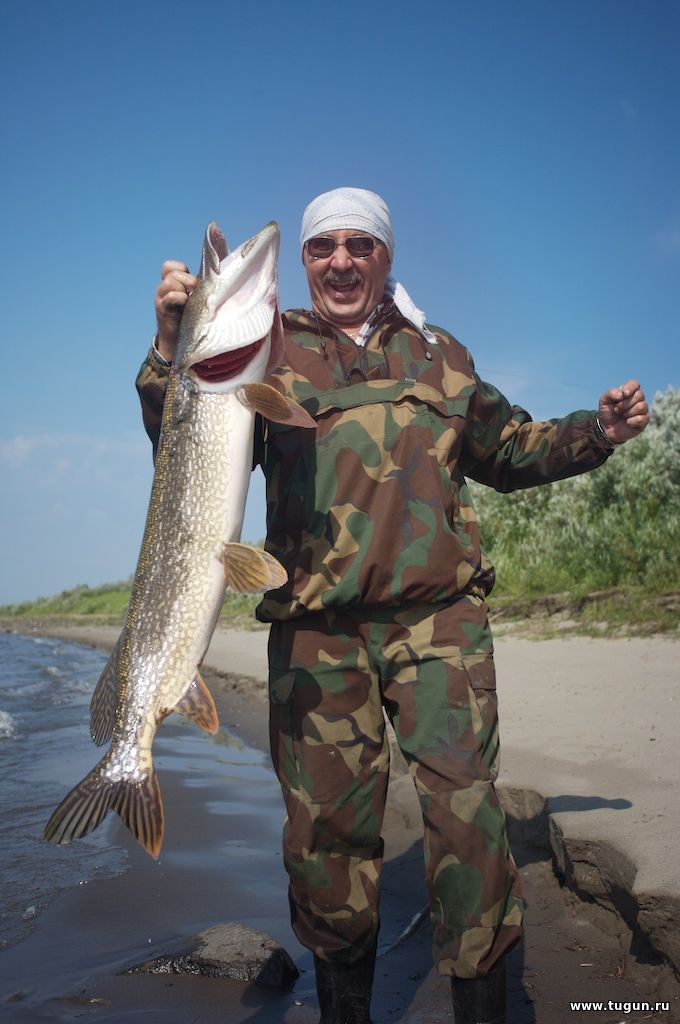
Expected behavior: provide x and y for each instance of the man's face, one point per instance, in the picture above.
(344, 289)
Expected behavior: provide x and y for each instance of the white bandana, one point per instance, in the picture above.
(348, 208)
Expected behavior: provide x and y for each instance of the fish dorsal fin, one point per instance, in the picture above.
(248, 570)
(271, 404)
(197, 704)
(105, 699)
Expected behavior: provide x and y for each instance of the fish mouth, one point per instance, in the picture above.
(216, 369)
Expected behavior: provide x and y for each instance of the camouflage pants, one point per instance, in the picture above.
(432, 670)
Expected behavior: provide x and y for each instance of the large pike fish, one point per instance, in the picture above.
(230, 336)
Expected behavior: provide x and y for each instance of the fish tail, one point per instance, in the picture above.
(139, 805)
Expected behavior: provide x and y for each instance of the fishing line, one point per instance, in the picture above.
(540, 380)
(406, 933)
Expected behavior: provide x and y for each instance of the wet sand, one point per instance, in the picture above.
(221, 861)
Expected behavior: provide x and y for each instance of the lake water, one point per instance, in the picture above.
(221, 858)
(45, 690)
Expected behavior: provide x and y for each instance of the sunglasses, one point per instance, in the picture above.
(358, 246)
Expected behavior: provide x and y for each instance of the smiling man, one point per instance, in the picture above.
(385, 605)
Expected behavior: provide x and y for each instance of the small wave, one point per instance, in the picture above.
(23, 690)
(53, 671)
(81, 686)
(52, 642)
(7, 726)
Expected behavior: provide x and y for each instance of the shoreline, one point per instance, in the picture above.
(593, 870)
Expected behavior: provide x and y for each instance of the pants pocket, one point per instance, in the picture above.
(281, 728)
(481, 673)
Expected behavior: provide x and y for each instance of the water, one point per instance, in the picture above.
(72, 915)
(45, 689)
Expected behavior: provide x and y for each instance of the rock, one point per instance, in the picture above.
(527, 819)
(595, 871)
(229, 951)
(658, 917)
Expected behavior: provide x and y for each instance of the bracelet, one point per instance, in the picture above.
(161, 360)
(601, 433)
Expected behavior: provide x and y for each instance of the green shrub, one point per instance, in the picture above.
(619, 525)
(108, 599)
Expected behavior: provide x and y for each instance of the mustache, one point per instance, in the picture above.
(347, 277)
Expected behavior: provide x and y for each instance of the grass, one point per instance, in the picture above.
(621, 611)
(108, 601)
(106, 605)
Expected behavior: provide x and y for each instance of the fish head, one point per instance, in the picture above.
(231, 330)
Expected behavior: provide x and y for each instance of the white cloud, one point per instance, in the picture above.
(16, 450)
(629, 108)
(668, 240)
(73, 510)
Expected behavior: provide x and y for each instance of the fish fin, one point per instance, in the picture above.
(105, 699)
(82, 809)
(139, 805)
(214, 250)
(271, 404)
(276, 343)
(197, 704)
(248, 570)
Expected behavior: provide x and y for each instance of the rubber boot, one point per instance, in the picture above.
(344, 991)
(480, 1000)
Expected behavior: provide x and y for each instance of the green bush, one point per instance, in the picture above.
(619, 525)
(108, 599)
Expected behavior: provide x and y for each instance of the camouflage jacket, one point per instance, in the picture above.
(372, 509)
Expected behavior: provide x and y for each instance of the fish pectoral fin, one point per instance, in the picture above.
(271, 404)
(248, 570)
(105, 699)
(139, 805)
(197, 704)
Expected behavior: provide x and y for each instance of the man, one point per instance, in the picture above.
(385, 604)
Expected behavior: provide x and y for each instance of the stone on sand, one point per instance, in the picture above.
(229, 951)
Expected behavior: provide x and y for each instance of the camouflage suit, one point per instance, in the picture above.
(385, 608)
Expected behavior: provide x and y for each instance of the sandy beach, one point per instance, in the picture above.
(588, 731)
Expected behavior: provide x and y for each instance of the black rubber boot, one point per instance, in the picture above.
(344, 991)
(480, 1000)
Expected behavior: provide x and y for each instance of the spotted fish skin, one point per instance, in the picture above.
(229, 337)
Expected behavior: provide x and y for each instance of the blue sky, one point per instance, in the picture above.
(529, 152)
